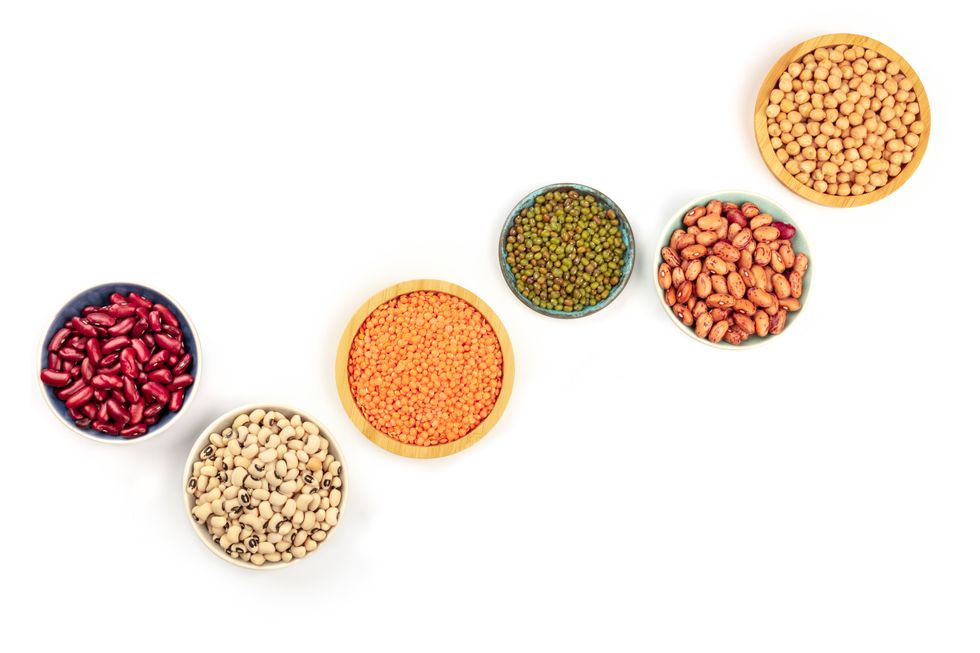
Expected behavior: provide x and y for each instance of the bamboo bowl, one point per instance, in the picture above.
(343, 380)
(769, 155)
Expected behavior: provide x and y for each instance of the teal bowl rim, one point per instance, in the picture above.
(624, 227)
(675, 222)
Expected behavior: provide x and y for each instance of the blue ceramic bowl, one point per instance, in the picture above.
(766, 205)
(98, 296)
(606, 203)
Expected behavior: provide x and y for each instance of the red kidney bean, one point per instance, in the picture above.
(139, 328)
(122, 365)
(181, 366)
(72, 389)
(83, 423)
(169, 343)
(736, 216)
(156, 360)
(116, 412)
(55, 379)
(105, 426)
(786, 230)
(180, 382)
(136, 411)
(161, 375)
(88, 370)
(80, 398)
(139, 300)
(133, 430)
(176, 401)
(155, 392)
(130, 390)
(120, 310)
(114, 370)
(122, 327)
(167, 316)
(83, 327)
(70, 354)
(100, 319)
(127, 358)
(94, 351)
(141, 350)
(114, 344)
(105, 382)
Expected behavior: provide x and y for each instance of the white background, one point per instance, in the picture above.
(271, 165)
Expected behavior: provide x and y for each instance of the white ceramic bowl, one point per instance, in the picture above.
(766, 205)
(97, 296)
(225, 421)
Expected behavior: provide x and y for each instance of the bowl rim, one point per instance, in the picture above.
(769, 155)
(625, 227)
(152, 432)
(673, 223)
(347, 397)
(229, 417)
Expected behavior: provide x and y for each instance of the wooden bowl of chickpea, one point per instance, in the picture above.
(842, 120)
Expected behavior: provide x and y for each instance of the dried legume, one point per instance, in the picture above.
(844, 120)
(566, 251)
(119, 367)
(266, 487)
(425, 368)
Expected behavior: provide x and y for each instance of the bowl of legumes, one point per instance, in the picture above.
(119, 363)
(733, 269)
(566, 250)
(265, 485)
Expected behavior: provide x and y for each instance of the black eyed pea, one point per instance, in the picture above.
(287, 556)
(241, 420)
(318, 535)
(298, 552)
(288, 488)
(311, 428)
(309, 520)
(283, 546)
(295, 444)
(288, 433)
(273, 557)
(295, 421)
(266, 548)
(291, 460)
(315, 502)
(277, 500)
(310, 545)
(289, 508)
(267, 456)
(297, 519)
(284, 528)
(274, 538)
(257, 559)
(335, 497)
(332, 515)
(256, 416)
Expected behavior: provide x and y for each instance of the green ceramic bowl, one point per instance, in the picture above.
(765, 205)
(625, 230)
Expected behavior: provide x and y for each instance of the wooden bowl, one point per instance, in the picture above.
(347, 397)
(769, 155)
(624, 228)
(225, 421)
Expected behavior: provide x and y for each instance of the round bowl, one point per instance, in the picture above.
(766, 205)
(389, 443)
(99, 295)
(216, 427)
(769, 155)
(624, 228)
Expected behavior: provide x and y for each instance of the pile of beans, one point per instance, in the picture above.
(267, 487)
(732, 273)
(566, 251)
(844, 120)
(120, 367)
(425, 368)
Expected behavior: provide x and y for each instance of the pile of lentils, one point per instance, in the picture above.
(566, 251)
(266, 488)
